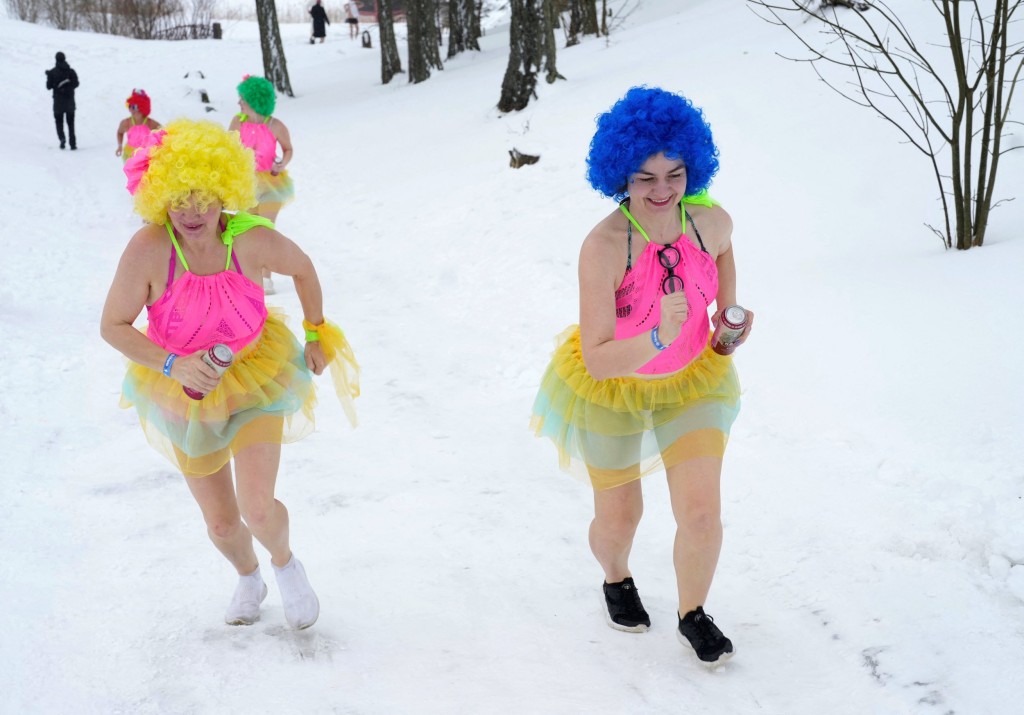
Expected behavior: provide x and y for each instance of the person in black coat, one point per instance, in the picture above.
(319, 18)
(63, 80)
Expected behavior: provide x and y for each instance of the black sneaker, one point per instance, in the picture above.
(625, 612)
(698, 630)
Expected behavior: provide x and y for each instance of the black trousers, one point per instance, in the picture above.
(58, 118)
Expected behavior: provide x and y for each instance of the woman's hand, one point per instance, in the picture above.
(118, 152)
(674, 311)
(746, 329)
(315, 359)
(193, 372)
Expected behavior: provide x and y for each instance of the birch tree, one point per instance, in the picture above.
(390, 62)
(275, 67)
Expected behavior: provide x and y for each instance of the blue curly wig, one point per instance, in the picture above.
(645, 122)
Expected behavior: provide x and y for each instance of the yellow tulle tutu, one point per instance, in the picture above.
(267, 395)
(616, 430)
(274, 188)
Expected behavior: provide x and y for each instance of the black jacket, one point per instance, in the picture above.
(319, 18)
(62, 80)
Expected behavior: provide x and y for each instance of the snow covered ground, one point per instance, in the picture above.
(874, 520)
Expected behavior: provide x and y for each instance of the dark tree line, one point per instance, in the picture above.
(423, 24)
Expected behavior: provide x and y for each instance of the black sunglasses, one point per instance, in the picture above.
(668, 257)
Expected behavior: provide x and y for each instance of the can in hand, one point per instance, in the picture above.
(218, 357)
(731, 324)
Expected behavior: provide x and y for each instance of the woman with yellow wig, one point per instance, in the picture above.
(196, 268)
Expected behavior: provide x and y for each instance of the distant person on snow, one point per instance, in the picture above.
(138, 126)
(262, 133)
(196, 269)
(320, 20)
(635, 386)
(63, 81)
(352, 18)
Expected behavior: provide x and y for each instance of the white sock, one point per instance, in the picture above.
(244, 609)
(301, 606)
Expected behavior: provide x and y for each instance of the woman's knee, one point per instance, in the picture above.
(258, 512)
(701, 524)
(622, 520)
(223, 526)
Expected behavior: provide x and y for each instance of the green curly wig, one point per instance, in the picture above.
(259, 94)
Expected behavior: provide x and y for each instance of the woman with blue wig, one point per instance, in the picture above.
(635, 387)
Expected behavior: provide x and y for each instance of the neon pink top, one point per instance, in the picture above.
(138, 136)
(638, 300)
(262, 141)
(197, 311)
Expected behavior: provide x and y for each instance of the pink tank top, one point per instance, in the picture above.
(197, 311)
(261, 140)
(137, 136)
(638, 302)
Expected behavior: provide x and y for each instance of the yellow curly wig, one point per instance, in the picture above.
(196, 160)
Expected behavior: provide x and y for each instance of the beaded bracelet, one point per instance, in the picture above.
(171, 357)
(654, 339)
(312, 331)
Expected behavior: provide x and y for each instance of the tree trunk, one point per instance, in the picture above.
(472, 22)
(520, 80)
(550, 46)
(275, 67)
(390, 62)
(575, 23)
(463, 27)
(456, 28)
(422, 31)
(590, 26)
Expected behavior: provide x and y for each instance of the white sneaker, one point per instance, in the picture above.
(268, 285)
(301, 606)
(245, 604)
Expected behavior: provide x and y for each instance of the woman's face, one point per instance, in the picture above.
(659, 184)
(244, 106)
(191, 221)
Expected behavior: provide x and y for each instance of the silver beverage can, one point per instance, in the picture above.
(219, 357)
(731, 324)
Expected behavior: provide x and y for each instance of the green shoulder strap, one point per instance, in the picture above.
(239, 224)
(177, 248)
(702, 198)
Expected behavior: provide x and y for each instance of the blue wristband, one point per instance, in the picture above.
(654, 339)
(171, 357)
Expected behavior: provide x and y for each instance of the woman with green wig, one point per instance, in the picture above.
(262, 132)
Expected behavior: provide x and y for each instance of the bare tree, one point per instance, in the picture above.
(62, 14)
(24, 10)
(547, 29)
(473, 31)
(524, 56)
(962, 108)
(143, 19)
(463, 26)
(456, 27)
(422, 39)
(275, 67)
(390, 62)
